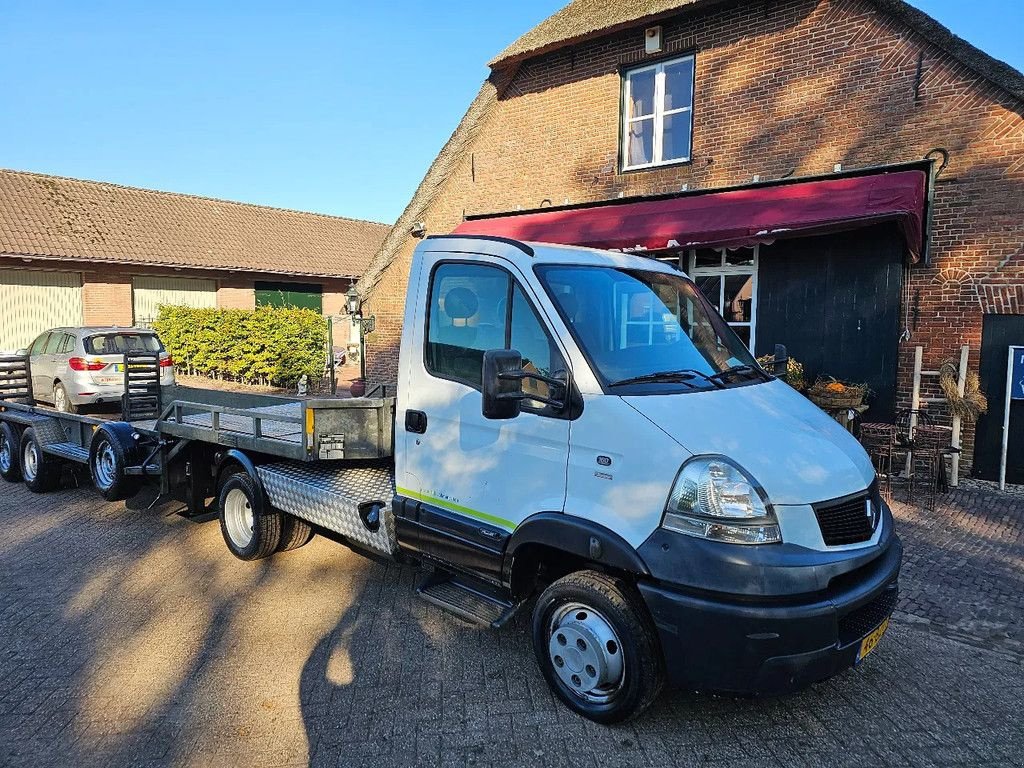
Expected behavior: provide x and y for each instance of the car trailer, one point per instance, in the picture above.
(271, 473)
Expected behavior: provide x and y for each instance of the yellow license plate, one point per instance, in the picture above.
(869, 643)
(119, 367)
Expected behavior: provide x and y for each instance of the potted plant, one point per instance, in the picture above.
(358, 387)
(831, 394)
(793, 375)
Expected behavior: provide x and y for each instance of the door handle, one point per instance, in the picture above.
(415, 422)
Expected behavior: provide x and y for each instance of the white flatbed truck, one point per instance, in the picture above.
(573, 429)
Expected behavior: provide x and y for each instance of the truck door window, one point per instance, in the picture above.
(532, 340)
(468, 316)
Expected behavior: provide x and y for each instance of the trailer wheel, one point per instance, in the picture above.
(250, 526)
(10, 454)
(111, 451)
(597, 646)
(40, 471)
(295, 533)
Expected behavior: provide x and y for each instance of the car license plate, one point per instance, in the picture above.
(869, 643)
(118, 367)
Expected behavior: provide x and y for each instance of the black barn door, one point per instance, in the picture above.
(834, 301)
(998, 333)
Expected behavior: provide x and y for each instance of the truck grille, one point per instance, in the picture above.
(848, 521)
(854, 625)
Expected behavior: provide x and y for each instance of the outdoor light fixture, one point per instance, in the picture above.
(352, 297)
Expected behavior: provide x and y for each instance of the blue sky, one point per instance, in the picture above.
(332, 106)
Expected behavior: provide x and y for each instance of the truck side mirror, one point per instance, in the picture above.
(502, 384)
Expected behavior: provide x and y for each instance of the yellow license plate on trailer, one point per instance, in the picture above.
(869, 643)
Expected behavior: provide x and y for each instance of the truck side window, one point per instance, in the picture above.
(531, 339)
(468, 316)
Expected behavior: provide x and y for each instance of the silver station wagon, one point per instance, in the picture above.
(72, 367)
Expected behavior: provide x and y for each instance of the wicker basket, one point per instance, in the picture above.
(852, 395)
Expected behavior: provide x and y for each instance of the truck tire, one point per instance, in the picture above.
(10, 454)
(250, 526)
(597, 646)
(111, 452)
(295, 533)
(40, 471)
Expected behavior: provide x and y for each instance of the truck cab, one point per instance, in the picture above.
(581, 425)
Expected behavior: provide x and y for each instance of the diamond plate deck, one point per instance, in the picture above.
(330, 497)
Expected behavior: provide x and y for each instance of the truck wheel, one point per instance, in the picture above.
(10, 455)
(111, 451)
(40, 471)
(250, 526)
(597, 646)
(295, 533)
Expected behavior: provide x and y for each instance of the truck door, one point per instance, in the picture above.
(477, 479)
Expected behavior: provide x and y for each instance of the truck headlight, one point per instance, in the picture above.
(713, 498)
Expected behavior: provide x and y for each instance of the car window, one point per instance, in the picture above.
(53, 343)
(38, 344)
(120, 343)
(69, 344)
(468, 316)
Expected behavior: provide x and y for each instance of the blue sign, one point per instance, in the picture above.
(1017, 376)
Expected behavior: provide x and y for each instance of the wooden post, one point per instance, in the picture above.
(961, 386)
(915, 402)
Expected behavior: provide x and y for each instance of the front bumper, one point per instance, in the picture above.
(772, 646)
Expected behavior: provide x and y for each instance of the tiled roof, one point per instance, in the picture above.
(584, 19)
(60, 218)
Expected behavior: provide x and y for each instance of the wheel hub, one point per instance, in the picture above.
(106, 466)
(586, 652)
(5, 453)
(30, 462)
(238, 517)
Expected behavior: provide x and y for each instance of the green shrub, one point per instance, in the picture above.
(268, 345)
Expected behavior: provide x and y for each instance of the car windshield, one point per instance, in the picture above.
(120, 343)
(637, 326)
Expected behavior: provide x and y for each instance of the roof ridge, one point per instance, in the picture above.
(189, 195)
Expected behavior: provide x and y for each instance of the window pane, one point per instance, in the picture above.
(640, 150)
(710, 287)
(468, 306)
(676, 142)
(641, 93)
(741, 258)
(531, 339)
(119, 343)
(679, 85)
(708, 258)
(38, 344)
(743, 331)
(53, 343)
(739, 293)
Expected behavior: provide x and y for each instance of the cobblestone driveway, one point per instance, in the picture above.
(131, 637)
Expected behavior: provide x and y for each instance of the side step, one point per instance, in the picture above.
(69, 451)
(467, 598)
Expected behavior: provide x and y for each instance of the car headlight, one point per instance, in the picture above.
(715, 499)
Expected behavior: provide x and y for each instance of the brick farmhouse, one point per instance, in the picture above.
(78, 252)
(845, 177)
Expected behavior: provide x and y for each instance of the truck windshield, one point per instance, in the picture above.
(646, 327)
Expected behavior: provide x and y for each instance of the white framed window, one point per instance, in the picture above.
(728, 278)
(657, 114)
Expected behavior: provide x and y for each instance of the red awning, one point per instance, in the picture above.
(734, 218)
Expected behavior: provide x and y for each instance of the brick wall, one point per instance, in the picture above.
(236, 292)
(791, 87)
(106, 297)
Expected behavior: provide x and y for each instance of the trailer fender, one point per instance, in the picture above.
(223, 461)
(587, 541)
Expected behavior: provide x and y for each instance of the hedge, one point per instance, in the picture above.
(268, 345)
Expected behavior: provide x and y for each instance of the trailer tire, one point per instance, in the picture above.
(250, 526)
(40, 471)
(612, 668)
(295, 533)
(111, 452)
(10, 454)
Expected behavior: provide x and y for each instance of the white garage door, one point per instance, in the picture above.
(148, 293)
(31, 302)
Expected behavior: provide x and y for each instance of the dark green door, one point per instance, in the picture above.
(299, 295)
(998, 334)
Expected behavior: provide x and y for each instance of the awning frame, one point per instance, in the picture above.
(930, 168)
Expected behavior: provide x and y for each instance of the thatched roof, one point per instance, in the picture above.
(585, 19)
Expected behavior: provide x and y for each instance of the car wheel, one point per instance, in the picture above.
(597, 646)
(250, 526)
(40, 471)
(10, 454)
(62, 401)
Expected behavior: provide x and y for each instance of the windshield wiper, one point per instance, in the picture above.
(684, 376)
(738, 370)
